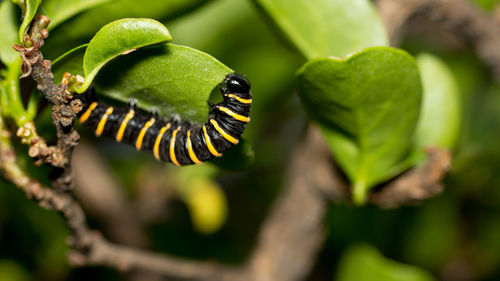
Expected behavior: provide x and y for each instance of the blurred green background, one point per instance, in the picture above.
(214, 213)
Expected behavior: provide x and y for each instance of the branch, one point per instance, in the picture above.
(417, 184)
(293, 232)
(103, 198)
(480, 30)
(63, 109)
(45, 197)
(290, 238)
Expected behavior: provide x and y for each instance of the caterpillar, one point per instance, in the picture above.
(174, 141)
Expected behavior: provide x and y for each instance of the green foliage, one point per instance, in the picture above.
(174, 79)
(119, 38)
(440, 118)
(203, 196)
(327, 28)
(366, 101)
(431, 246)
(365, 263)
(29, 9)
(487, 4)
(59, 11)
(8, 22)
(73, 33)
(10, 98)
(12, 271)
(367, 105)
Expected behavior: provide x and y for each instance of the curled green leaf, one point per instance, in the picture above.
(118, 38)
(31, 6)
(367, 106)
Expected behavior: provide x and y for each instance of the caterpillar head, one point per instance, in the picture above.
(237, 83)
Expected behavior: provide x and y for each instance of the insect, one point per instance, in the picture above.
(174, 141)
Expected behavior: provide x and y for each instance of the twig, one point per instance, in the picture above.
(104, 200)
(480, 30)
(46, 198)
(63, 109)
(416, 185)
(293, 232)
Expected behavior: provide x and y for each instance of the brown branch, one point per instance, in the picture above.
(416, 185)
(477, 28)
(45, 197)
(63, 111)
(103, 198)
(129, 259)
(290, 238)
(293, 233)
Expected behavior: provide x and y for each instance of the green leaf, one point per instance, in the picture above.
(8, 22)
(365, 263)
(81, 27)
(118, 38)
(206, 202)
(11, 101)
(71, 61)
(12, 271)
(489, 5)
(170, 78)
(327, 27)
(439, 123)
(367, 106)
(30, 12)
(60, 10)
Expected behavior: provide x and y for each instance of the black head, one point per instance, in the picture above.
(237, 83)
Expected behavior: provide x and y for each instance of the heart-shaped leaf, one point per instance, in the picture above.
(169, 78)
(30, 8)
(117, 38)
(439, 123)
(367, 106)
(60, 10)
(321, 28)
(365, 263)
(8, 22)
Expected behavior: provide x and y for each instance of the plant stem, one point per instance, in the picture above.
(359, 191)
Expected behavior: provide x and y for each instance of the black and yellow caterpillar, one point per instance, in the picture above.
(174, 141)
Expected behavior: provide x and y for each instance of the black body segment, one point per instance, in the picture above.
(171, 140)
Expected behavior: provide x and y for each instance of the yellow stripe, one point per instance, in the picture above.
(211, 148)
(192, 155)
(228, 137)
(234, 115)
(172, 147)
(138, 143)
(87, 113)
(123, 126)
(102, 122)
(247, 101)
(158, 141)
